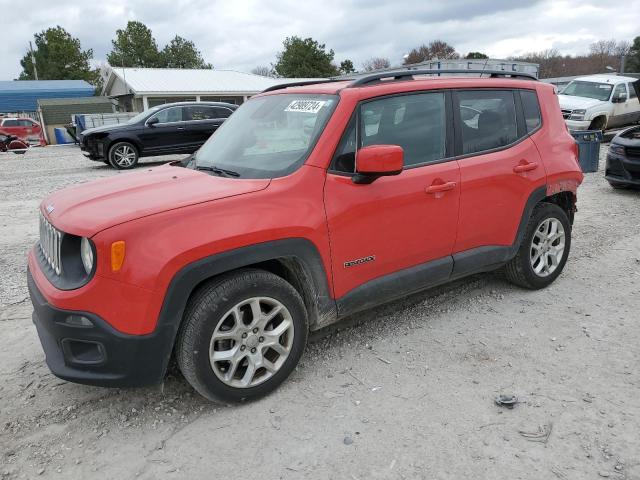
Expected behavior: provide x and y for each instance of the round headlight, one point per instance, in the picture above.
(86, 253)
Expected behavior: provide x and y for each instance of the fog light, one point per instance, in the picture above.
(78, 321)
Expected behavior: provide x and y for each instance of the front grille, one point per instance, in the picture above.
(633, 152)
(566, 113)
(50, 243)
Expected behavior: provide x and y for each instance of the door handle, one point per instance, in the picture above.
(441, 187)
(180, 128)
(525, 166)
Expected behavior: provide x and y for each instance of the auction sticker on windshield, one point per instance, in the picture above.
(305, 106)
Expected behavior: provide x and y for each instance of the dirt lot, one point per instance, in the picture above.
(401, 392)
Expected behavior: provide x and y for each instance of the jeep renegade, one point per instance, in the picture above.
(312, 202)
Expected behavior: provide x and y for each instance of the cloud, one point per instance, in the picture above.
(241, 34)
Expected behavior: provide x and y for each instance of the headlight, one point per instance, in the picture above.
(616, 149)
(86, 253)
(577, 115)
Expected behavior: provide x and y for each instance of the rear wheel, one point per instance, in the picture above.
(544, 249)
(123, 155)
(242, 335)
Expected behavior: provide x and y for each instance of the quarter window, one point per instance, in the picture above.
(416, 122)
(488, 119)
(531, 109)
(11, 123)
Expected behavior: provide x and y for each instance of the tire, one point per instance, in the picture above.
(524, 270)
(598, 123)
(244, 347)
(123, 155)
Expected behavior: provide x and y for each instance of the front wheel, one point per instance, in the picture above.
(544, 249)
(242, 335)
(123, 155)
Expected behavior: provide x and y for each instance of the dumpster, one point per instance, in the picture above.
(588, 148)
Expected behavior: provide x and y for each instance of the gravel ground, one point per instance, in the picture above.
(404, 391)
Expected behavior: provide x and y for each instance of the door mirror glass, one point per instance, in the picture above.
(378, 161)
(152, 121)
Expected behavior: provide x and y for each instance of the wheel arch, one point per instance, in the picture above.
(132, 141)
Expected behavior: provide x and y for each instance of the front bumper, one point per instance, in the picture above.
(98, 354)
(92, 148)
(578, 124)
(622, 170)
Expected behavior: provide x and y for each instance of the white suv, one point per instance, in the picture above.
(599, 102)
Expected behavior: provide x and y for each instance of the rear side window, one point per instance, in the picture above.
(632, 91)
(415, 122)
(206, 112)
(531, 109)
(11, 123)
(488, 119)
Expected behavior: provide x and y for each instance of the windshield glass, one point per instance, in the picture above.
(268, 136)
(141, 116)
(597, 91)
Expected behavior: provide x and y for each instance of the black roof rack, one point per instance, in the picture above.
(280, 86)
(409, 73)
(404, 75)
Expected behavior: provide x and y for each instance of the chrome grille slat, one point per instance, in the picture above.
(50, 244)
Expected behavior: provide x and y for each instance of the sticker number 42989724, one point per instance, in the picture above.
(305, 106)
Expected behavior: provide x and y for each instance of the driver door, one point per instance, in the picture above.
(622, 113)
(168, 134)
(397, 233)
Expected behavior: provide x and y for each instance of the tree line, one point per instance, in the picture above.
(59, 56)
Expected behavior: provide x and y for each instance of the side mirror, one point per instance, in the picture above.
(152, 121)
(378, 161)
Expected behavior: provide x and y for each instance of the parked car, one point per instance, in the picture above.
(600, 102)
(623, 159)
(163, 130)
(312, 202)
(24, 128)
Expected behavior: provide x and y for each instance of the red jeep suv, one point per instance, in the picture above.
(310, 203)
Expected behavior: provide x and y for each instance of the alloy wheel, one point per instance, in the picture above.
(124, 156)
(251, 342)
(547, 247)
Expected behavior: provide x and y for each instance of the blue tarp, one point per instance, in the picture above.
(23, 95)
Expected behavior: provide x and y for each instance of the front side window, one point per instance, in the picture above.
(488, 119)
(268, 136)
(595, 90)
(415, 122)
(531, 109)
(169, 115)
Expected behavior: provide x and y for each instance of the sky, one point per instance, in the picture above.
(241, 34)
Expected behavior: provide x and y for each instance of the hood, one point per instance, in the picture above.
(106, 128)
(91, 207)
(570, 102)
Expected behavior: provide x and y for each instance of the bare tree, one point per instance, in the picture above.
(376, 63)
(263, 70)
(436, 49)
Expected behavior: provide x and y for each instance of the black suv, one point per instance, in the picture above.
(623, 159)
(163, 130)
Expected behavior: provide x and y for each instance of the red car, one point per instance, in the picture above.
(24, 128)
(310, 203)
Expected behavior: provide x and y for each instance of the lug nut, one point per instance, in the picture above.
(242, 347)
(261, 339)
(255, 330)
(244, 335)
(253, 350)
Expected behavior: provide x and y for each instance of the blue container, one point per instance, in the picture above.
(588, 148)
(62, 137)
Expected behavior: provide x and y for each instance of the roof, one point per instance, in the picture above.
(606, 78)
(193, 81)
(23, 95)
(43, 85)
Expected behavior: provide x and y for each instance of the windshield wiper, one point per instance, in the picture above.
(218, 171)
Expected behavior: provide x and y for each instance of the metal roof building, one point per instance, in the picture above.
(23, 95)
(137, 89)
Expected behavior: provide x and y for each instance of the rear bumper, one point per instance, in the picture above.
(97, 354)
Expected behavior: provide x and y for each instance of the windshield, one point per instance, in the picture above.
(597, 91)
(141, 116)
(268, 136)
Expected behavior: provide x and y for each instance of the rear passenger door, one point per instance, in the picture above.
(500, 167)
(393, 229)
(202, 121)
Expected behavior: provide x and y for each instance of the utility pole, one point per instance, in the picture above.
(33, 61)
(622, 63)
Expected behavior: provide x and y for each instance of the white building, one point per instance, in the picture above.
(137, 89)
